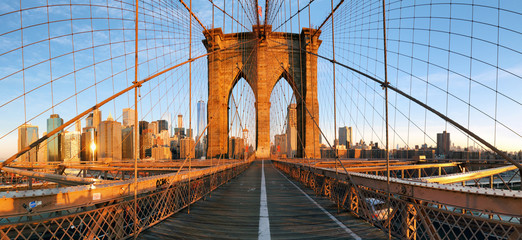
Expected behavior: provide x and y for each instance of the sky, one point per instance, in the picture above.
(468, 70)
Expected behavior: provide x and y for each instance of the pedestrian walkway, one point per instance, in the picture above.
(238, 210)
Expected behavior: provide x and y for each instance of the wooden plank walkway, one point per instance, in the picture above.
(233, 212)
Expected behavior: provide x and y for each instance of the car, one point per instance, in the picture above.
(378, 209)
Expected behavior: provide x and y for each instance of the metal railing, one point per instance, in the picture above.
(114, 218)
(414, 210)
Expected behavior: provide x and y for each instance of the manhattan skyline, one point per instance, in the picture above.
(465, 70)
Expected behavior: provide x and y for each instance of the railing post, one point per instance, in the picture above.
(409, 223)
(354, 201)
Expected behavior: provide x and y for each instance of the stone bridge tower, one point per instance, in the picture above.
(262, 58)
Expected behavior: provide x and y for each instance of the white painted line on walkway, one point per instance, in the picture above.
(344, 227)
(264, 224)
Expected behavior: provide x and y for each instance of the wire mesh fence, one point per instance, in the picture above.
(404, 216)
(115, 219)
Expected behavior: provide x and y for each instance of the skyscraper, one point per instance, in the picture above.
(236, 147)
(345, 136)
(128, 117)
(291, 130)
(161, 153)
(187, 148)
(443, 143)
(202, 119)
(188, 133)
(280, 143)
(89, 121)
(146, 142)
(109, 140)
(78, 126)
(70, 146)
(53, 143)
(171, 127)
(154, 127)
(143, 126)
(42, 151)
(163, 125)
(179, 132)
(163, 138)
(88, 142)
(27, 134)
(97, 118)
(180, 121)
(127, 145)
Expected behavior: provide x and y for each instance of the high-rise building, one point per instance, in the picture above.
(88, 144)
(188, 133)
(171, 127)
(180, 121)
(239, 148)
(53, 143)
(143, 125)
(179, 133)
(127, 142)
(280, 143)
(174, 148)
(70, 146)
(187, 148)
(27, 134)
(128, 117)
(202, 119)
(162, 139)
(97, 118)
(109, 140)
(146, 142)
(163, 125)
(89, 121)
(201, 149)
(78, 126)
(231, 147)
(42, 150)
(443, 143)
(292, 115)
(345, 136)
(154, 127)
(236, 148)
(161, 153)
(291, 131)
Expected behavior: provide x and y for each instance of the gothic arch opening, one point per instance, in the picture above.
(283, 120)
(241, 116)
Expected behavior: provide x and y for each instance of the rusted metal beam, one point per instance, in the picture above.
(66, 180)
(332, 164)
(401, 167)
(460, 177)
(70, 197)
(109, 166)
(125, 169)
(25, 186)
(496, 201)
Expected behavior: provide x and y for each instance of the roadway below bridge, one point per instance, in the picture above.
(262, 203)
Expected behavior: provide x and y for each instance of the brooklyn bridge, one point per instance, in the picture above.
(245, 119)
